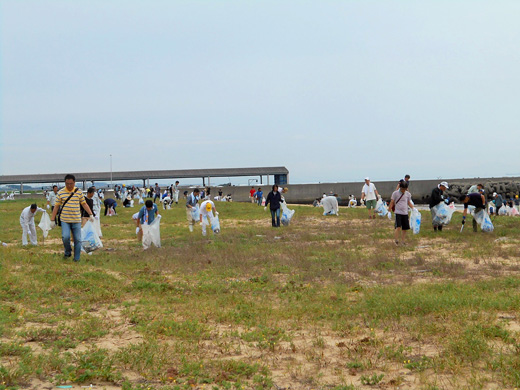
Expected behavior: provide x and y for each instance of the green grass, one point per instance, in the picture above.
(326, 303)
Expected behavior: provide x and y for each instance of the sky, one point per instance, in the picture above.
(332, 90)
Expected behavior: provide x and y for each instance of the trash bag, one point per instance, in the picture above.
(45, 224)
(381, 208)
(97, 226)
(286, 214)
(152, 233)
(484, 221)
(195, 213)
(415, 221)
(441, 214)
(111, 212)
(330, 205)
(263, 200)
(89, 238)
(141, 201)
(503, 211)
(215, 224)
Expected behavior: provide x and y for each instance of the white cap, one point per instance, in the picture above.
(367, 178)
(494, 194)
(445, 184)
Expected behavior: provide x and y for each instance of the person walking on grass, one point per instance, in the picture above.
(51, 197)
(400, 200)
(259, 196)
(369, 195)
(274, 198)
(69, 201)
(27, 223)
(498, 201)
(475, 199)
(157, 193)
(252, 192)
(192, 203)
(437, 197)
(406, 179)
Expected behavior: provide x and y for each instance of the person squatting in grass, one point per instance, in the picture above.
(191, 203)
(69, 201)
(146, 216)
(274, 198)
(437, 197)
(27, 223)
(401, 199)
(370, 195)
(110, 204)
(206, 214)
(475, 199)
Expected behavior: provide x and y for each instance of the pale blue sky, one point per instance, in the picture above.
(333, 90)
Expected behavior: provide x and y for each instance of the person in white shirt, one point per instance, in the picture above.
(51, 198)
(369, 195)
(206, 214)
(27, 223)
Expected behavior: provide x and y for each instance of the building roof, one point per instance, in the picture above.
(143, 175)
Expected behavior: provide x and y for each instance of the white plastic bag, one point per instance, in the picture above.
(97, 226)
(152, 233)
(381, 208)
(263, 200)
(286, 214)
(45, 224)
(415, 221)
(441, 214)
(215, 224)
(89, 238)
(195, 213)
(484, 221)
(141, 200)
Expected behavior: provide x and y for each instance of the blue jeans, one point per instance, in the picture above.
(275, 213)
(66, 228)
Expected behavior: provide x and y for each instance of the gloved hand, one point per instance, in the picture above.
(137, 230)
(200, 223)
(216, 213)
(53, 224)
(48, 206)
(92, 219)
(463, 220)
(265, 208)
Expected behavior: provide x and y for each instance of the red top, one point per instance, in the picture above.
(252, 191)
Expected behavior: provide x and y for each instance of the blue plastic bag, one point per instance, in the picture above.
(195, 213)
(286, 214)
(215, 224)
(441, 214)
(415, 221)
(484, 221)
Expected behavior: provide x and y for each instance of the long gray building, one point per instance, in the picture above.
(281, 175)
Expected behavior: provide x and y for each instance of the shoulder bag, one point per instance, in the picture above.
(58, 219)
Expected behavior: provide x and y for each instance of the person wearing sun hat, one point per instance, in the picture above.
(206, 214)
(437, 197)
(369, 195)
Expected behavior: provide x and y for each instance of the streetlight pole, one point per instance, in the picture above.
(110, 171)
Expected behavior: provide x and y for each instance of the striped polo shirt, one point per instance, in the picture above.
(71, 213)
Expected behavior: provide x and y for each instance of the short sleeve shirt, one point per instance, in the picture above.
(401, 205)
(71, 212)
(147, 216)
(369, 191)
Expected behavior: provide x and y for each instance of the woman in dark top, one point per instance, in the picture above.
(274, 199)
(90, 202)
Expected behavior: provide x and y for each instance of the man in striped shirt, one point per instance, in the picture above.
(70, 215)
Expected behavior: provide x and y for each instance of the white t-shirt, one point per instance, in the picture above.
(203, 210)
(51, 197)
(369, 191)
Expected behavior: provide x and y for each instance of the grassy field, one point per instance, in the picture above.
(326, 303)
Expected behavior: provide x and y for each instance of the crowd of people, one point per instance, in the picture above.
(72, 210)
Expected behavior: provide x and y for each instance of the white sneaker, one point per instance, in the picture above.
(191, 228)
